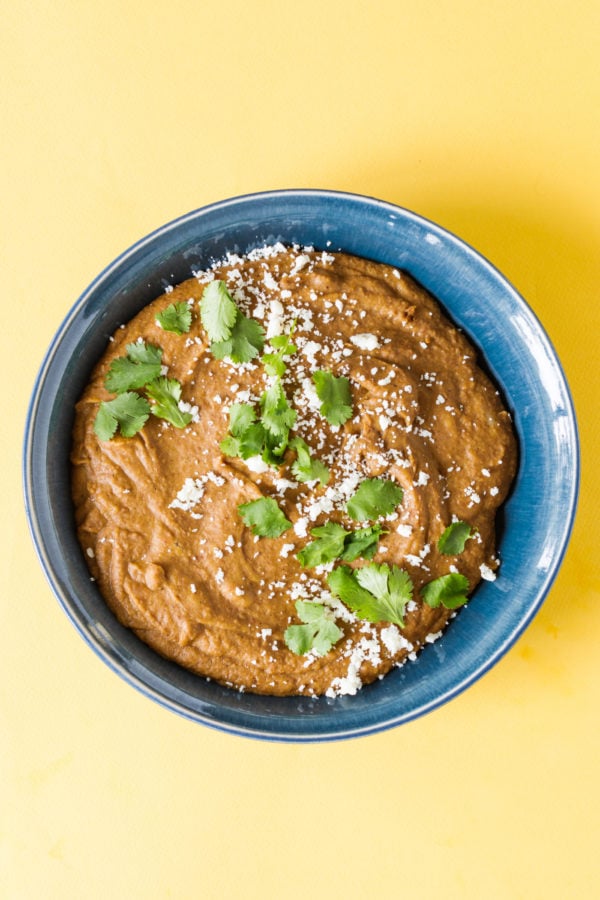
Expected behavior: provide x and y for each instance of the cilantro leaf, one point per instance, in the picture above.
(335, 397)
(344, 585)
(141, 365)
(245, 341)
(254, 442)
(274, 363)
(264, 517)
(247, 437)
(140, 352)
(375, 592)
(449, 590)
(218, 311)
(454, 538)
(241, 416)
(328, 546)
(177, 318)
(230, 445)
(305, 468)
(374, 497)
(165, 394)
(362, 542)
(319, 633)
(334, 542)
(373, 578)
(128, 412)
(277, 414)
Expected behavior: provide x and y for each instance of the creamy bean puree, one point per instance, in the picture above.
(416, 420)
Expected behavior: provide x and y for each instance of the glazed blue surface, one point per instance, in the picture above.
(535, 524)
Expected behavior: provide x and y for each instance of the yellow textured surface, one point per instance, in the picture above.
(117, 117)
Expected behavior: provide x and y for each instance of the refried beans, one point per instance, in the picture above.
(158, 512)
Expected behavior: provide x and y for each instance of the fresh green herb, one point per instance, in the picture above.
(245, 341)
(328, 546)
(264, 517)
(274, 363)
(177, 318)
(277, 414)
(231, 333)
(141, 365)
(218, 311)
(454, 538)
(374, 497)
(449, 590)
(362, 542)
(304, 467)
(241, 416)
(128, 412)
(165, 395)
(246, 437)
(334, 542)
(319, 633)
(375, 592)
(269, 436)
(335, 397)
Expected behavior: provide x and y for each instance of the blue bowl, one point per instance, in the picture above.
(535, 523)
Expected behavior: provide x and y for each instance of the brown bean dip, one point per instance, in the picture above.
(157, 512)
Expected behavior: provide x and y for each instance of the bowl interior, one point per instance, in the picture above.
(535, 523)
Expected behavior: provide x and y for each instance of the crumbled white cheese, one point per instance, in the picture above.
(309, 350)
(190, 494)
(432, 637)
(394, 641)
(275, 320)
(365, 341)
(189, 408)
(486, 573)
(299, 263)
(257, 464)
(300, 527)
(269, 281)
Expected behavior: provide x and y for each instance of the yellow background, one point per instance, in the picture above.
(119, 116)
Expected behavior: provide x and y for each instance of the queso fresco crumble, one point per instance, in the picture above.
(286, 471)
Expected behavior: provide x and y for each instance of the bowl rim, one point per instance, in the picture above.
(283, 735)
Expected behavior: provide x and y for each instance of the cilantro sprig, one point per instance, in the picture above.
(305, 467)
(128, 413)
(318, 633)
(334, 542)
(264, 517)
(274, 362)
(176, 318)
(165, 395)
(334, 394)
(231, 333)
(453, 540)
(268, 436)
(141, 364)
(246, 436)
(375, 592)
(447, 590)
(373, 498)
(277, 414)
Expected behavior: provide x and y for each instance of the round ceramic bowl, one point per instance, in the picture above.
(534, 525)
